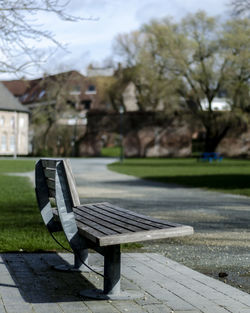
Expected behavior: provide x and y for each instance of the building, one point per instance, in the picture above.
(14, 124)
(59, 106)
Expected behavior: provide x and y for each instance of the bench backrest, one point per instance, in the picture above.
(45, 174)
(55, 180)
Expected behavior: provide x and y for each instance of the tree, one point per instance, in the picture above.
(200, 58)
(142, 67)
(59, 102)
(236, 41)
(20, 32)
(240, 7)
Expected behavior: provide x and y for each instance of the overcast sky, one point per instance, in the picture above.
(91, 40)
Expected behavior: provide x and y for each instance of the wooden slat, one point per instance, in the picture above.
(146, 235)
(106, 222)
(95, 226)
(49, 173)
(50, 184)
(72, 183)
(89, 233)
(135, 216)
(145, 218)
(49, 163)
(113, 217)
(52, 193)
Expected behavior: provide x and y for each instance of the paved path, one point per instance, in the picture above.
(29, 285)
(221, 221)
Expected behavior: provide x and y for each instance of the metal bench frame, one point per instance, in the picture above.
(54, 179)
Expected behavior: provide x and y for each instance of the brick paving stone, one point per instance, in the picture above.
(186, 312)
(47, 308)
(101, 307)
(2, 309)
(74, 307)
(236, 297)
(201, 297)
(157, 291)
(128, 307)
(19, 308)
(231, 305)
(28, 284)
(158, 308)
(147, 300)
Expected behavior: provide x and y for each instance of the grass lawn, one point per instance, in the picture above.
(15, 166)
(21, 225)
(229, 175)
(111, 152)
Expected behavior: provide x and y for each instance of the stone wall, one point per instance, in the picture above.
(236, 145)
(152, 134)
(145, 134)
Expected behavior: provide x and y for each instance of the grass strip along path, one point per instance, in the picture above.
(229, 175)
(21, 225)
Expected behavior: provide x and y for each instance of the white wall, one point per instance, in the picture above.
(14, 133)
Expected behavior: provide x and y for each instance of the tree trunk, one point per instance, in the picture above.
(214, 135)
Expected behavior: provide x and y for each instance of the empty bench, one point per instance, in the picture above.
(99, 226)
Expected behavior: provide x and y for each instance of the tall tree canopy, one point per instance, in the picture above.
(190, 63)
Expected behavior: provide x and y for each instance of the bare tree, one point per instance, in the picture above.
(241, 7)
(20, 32)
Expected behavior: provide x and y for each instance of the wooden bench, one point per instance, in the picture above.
(99, 226)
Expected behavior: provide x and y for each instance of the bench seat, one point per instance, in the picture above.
(106, 224)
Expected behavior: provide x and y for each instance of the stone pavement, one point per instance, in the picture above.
(29, 284)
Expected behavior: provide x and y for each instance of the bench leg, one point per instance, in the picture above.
(78, 265)
(112, 270)
(112, 277)
(78, 259)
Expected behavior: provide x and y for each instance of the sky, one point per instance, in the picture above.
(91, 40)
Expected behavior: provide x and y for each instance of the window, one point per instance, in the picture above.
(12, 122)
(91, 90)
(2, 121)
(41, 94)
(86, 104)
(4, 142)
(21, 122)
(12, 143)
(76, 90)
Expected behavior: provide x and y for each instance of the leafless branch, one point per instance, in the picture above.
(241, 7)
(20, 32)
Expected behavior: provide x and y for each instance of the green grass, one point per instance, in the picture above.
(21, 226)
(112, 152)
(12, 166)
(230, 175)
